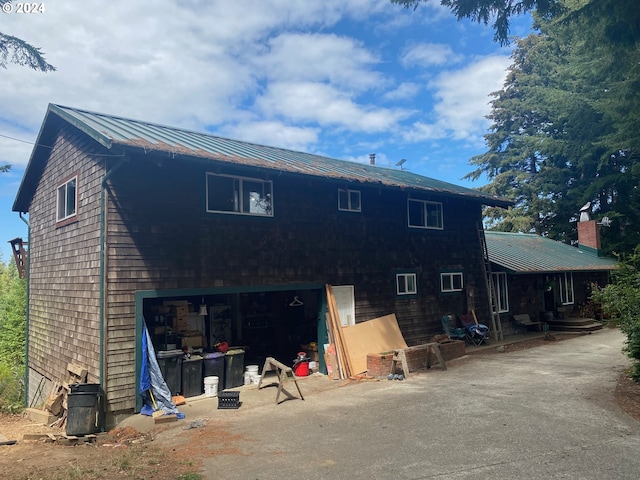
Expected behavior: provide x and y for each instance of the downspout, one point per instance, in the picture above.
(103, 236)
(26, 341)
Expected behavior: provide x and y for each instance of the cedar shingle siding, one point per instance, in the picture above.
(64, 288)
(158, 237)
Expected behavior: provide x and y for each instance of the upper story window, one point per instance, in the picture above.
(406, 284)
(239, 195)
(67, 200)
(423, 214)
(451, 282)
(349, 200)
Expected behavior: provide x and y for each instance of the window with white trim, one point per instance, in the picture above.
(565, 281)
(406, 284)
(501, 291)
(349, 200)
(451, 282)
(424, 214)
(239, 195)
(67, 200)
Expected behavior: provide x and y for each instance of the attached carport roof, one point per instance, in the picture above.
(122, 134)
(529, 253)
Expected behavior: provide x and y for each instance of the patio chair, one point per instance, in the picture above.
(448, 328)
(475, 333)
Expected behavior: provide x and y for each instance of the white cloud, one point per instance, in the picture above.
(404, 91)
(428, 54)
(273, 133)
(463, 95)
(326, 105)
(462, 102)
(319, 57)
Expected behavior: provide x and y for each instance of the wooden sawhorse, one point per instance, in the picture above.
(400, 356)
(283, 373)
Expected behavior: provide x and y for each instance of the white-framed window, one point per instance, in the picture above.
(67, 200)
(423, 214)
(349, 200)
(406, 284)
(565, 281)
(239, 195)
(451, 282)
(501, 291)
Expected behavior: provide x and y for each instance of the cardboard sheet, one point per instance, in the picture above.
(373, 336)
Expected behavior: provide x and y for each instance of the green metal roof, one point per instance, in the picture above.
(112, 131)
(529, 253)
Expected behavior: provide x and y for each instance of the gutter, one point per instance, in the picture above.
(103, 235)
(26, 342)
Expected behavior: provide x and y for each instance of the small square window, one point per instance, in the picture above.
(66, 200)
(406, 284)
(451, 282)
(423, 214)
(348, 200)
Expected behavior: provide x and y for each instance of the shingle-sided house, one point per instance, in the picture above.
(549, 281)
(134, 223)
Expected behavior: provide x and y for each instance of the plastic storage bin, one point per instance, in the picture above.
(192, 385)
(213, 366)
(234, 368)
(228, 400)
(170, 363)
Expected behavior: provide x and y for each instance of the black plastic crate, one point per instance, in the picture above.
(228, 400)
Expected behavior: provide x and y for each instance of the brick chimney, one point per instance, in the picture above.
(589, 236)
(372, 158)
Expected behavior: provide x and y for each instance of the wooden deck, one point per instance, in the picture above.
(574, 324)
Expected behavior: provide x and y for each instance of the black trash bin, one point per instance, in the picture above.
(83, 413)
(234, 368)
(170, 363)
(213, 366)
(192, 384)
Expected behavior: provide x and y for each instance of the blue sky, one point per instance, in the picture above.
(342, 78)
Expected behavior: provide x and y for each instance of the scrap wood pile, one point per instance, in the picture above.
(56, 403)
(337, 355)
(346, 356)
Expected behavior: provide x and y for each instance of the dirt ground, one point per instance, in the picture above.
(166, 453)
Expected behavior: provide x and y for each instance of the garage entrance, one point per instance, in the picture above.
(263, 322)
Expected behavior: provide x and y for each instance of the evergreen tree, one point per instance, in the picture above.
(564, 130)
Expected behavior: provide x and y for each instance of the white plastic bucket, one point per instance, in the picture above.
(211, 386)
(252, 371)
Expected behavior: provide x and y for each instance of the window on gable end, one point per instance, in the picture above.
(67, 200)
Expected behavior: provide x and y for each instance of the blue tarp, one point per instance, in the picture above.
(152, 384)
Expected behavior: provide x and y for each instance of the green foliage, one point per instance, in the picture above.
(13, 301)
(499, 11)
(620, 301)
(16, 50)
(564, 129)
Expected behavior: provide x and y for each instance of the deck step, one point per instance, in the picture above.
(591, 327)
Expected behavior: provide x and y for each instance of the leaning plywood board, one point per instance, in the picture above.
(374, 336)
